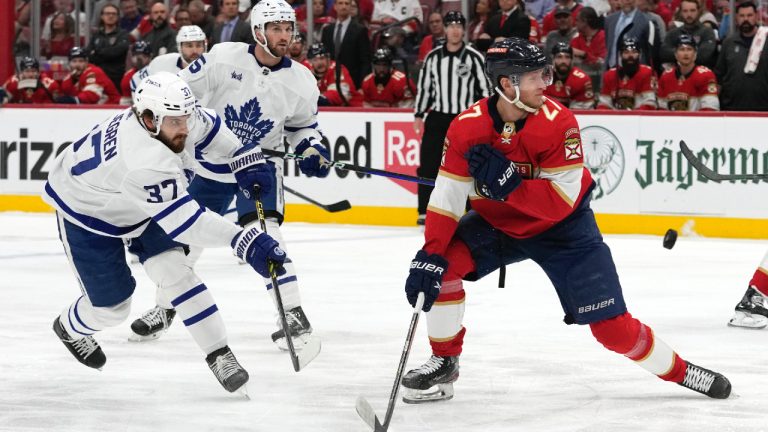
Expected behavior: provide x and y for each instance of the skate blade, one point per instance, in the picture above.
(435, 393)
(748, 321)
(243, 391)
(133, 337)
(298, 342)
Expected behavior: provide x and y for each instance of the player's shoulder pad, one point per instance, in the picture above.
(473, 125)
(305, 83)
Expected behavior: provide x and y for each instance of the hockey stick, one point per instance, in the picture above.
(332, 208)
(312, 348)
(356, 168)
(363, 408)
(710, 173)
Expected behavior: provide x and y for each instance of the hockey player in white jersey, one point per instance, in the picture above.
(262, 96)
(190, 44)
(127, 179)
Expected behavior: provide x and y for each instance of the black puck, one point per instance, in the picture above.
(670, 238)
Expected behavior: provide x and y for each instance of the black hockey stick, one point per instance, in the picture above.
(363, 407)
(332, 208)
(312, 348)
(710, 173)
(356, 168)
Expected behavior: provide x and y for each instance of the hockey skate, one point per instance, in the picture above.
(86, 350)
(301, 330)
(751, 312)
(706, 382)
(431, 382)
(152, 324)
(227, 370)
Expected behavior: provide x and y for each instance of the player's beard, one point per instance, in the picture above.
(279, 49)
(175, 143)
(629, 67)
(381, 78)
(562, 70)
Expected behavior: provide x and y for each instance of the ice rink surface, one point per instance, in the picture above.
(522, 369)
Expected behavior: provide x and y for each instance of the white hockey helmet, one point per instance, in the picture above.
(164, 94)
(190, 33)
(267, 11)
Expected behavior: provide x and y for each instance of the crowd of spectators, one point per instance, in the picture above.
(608, 54)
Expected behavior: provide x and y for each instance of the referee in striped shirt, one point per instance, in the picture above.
(452, 79)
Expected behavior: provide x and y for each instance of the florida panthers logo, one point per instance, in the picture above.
(247, 123)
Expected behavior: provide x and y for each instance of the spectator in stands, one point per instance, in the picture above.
(233, 29)
(347, 42)
(201, 18)
(632, 23)
(511, 21)
(648, 7)
(538, 9)
(297, 51)
(361, 11)
(565, 30)
(630, 85)
(109, 45)
(66, 7)
(742, 68)
(549, 24)
(181, 18)
(436, 36)
(86, 83)
(571, 86)
(161, 38)
(387, 87)
(130, 15)
(319, 17)
(333, 79)
(29, 85)
(387, 12)
(141, 55)
(705, 36)
(688, 87)
(61, 36)
(483, 11)
(589, 49)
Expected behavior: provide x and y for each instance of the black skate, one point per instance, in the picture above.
(431, 382)
(86, 350)
(152, 324)
(301, 330)
(227, 370)
(706, 382)
(751, 312)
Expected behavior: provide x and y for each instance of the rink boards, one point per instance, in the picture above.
(644, 184)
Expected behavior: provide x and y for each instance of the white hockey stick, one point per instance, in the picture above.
(311, 349)
(364, 409)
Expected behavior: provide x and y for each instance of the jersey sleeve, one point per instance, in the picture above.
(302, 124)
(663, 92)
(582, 97)
(200, 74)
(645, 96)
(605, 98)
(707, 90)
(91, 89)
(214, 142)
(162, 195)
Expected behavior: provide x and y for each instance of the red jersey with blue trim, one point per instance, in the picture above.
(696, 91)
(546, 149)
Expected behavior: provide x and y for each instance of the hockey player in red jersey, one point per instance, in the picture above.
(86, 83)
(518, 157)
(386, 86)
(688, 87)
(571, 87)
(325, 71)
(29, 86)
(141, 54)
(630, 85)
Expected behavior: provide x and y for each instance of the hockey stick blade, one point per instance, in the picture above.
(710, 173)
(331, 208)
(363, 408)
(308, 352)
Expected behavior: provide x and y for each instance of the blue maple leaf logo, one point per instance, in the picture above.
(247, 123)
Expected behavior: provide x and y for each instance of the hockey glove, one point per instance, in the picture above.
(67, 100)
(251, 170)
(260, 251)
(315, 160)
(426, 275)
(496, 176)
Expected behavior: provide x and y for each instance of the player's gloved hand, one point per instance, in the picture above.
(316, 159)
(251, 170)
(496, 176)
(426, 275)
(65, 99)
(259, 250)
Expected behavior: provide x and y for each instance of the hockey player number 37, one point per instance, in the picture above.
(86, 165)
(154, 191)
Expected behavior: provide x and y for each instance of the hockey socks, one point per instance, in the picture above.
(446, 334)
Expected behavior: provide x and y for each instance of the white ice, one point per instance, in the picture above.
(522, 368)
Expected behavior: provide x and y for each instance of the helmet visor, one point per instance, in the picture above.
(546, 74)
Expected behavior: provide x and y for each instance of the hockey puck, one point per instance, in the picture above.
(670, 238)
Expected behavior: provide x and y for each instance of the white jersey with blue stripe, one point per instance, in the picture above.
(259, 104)
(171, 62)
(117, 178)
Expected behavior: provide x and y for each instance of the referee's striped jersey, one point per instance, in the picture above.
(449, 82)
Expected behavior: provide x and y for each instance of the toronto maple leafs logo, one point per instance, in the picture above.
(247, 123)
